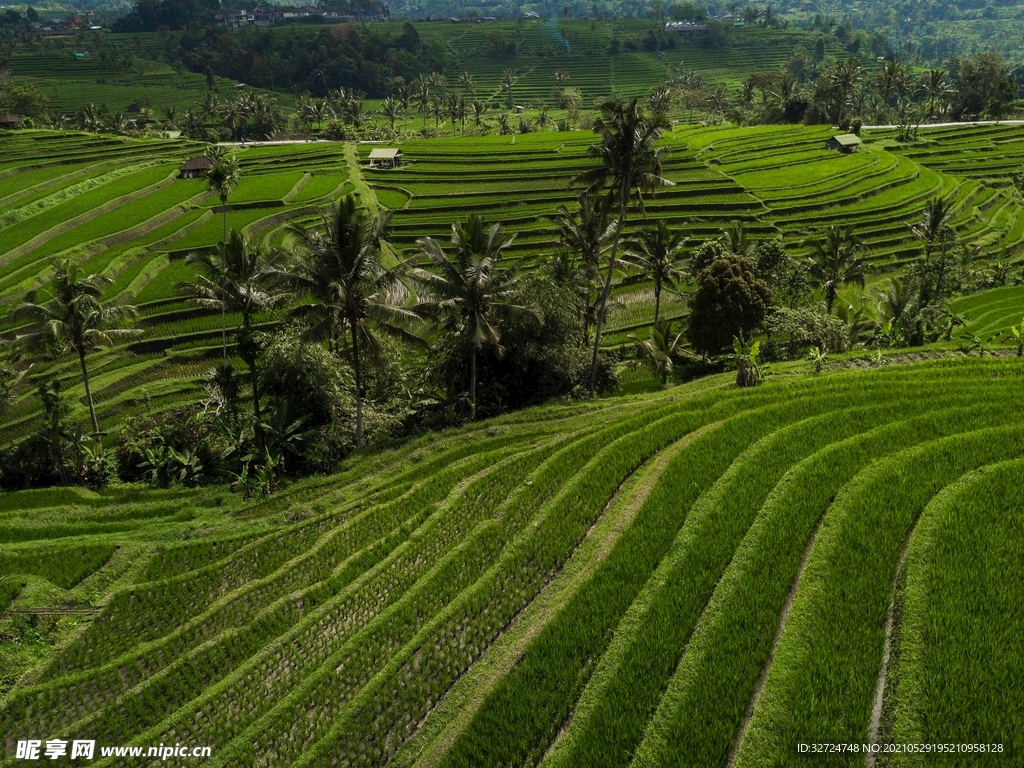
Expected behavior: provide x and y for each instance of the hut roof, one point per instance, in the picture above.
(384, 154)
(847, 139)
(201, 163)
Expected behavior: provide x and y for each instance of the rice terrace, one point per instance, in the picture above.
(565, 385)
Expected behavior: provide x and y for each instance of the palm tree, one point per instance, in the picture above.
(508, 79)
(222, 177)
(834, 261)
(74, 318)
(340, 269)
(844, 79)
(392, 110)
(893, 303)
(479, 109)
(560, 78)
(658, 253)
(244, 279)
(630, 164)
(935, 222)
(936, 87)
(233, 116)
(423, 95)
(892, 78)
(466, 84)
(659, 352)
(469, 288)
(734, 238)
(587, 233)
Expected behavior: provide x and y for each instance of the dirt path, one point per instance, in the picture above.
(883, 674)
(470, 693)
(948, 125)
(361, 189)
(762, 677)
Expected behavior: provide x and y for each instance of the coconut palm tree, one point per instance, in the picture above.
(587, 233)
(222, 177)
(479, 110)
(659, 351)
(75, 318)
(339, 267)
(630, 164)
(935, 223)
(241, 278)
(392, 110)
(935, 87)
(834, 261)
(508, 80)
(894, 304)
(844, 79)
(658, 253)
(734, 238)
(892, 79)
(470, 288)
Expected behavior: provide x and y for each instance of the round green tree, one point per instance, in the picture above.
(730, 301)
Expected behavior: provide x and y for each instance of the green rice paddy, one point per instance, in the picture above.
(702, 576)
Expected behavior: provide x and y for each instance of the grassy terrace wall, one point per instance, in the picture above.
(663, 580)
(116, 204)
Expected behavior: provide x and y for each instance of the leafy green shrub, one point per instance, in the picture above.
(792, 331)
(730, 301)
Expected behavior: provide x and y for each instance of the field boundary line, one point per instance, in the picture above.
(154, 222)
(780, 628)
(505, 653)
(891, 624)
(60, 229)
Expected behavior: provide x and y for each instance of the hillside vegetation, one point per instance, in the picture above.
(703, 576)
(114, 205)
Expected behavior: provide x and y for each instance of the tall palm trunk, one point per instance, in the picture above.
(223, 304)
(657, 299)
(472, 383)
(359, 393)
(88, 393)
(249, 352)
(599, 320)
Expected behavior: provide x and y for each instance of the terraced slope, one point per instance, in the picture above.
(879, 191)
(701, 577)
(991, 312)
(115, 204)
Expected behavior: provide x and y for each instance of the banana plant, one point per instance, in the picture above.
(750, 372)
(818, 357)
(1018, 335)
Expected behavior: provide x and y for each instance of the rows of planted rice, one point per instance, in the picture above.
(992, 312)
(704, 576)
(115, 205)
(877, 192)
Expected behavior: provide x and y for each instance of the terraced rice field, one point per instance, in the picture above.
(69, 83)
(991, 312)
(706, 576)
(116, 204)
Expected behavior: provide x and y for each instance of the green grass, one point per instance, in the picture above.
(589, 584)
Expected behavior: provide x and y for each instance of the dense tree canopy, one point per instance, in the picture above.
(730, 301)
